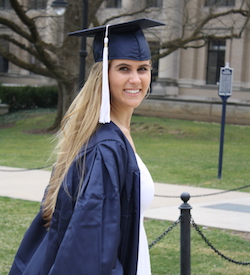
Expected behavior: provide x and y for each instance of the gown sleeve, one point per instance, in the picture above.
(91, 241)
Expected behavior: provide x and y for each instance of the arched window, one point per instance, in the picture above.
(114, 4)
(4, 65)
(220, 3)
(5, 4)
(154, 3)
(155, 50)
(37, 4)
(215, 60)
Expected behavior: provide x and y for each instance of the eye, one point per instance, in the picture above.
(144, 69)
(123, 68)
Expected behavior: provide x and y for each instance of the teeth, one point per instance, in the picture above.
(132, 91)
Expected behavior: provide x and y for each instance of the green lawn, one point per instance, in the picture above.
(175, 151)
(25, 146)
(165, 255)
(16, 216)
(186, 152)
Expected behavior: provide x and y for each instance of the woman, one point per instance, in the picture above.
(91, 218)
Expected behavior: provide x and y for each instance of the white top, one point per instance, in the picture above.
(147, 195)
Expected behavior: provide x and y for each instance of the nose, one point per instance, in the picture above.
(134, 78)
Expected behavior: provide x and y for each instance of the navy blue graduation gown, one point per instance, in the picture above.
(97, 233)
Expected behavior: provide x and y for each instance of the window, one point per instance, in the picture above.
(4, 65)
(220, 3)
(215, 60)
(114, 4)
(154, 3)
(155, 49)
(5, 4)
(37, 4)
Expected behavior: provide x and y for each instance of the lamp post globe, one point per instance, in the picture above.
(59, 6)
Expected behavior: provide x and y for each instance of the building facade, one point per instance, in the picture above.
(184, 77)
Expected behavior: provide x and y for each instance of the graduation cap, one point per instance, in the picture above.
(117, 41)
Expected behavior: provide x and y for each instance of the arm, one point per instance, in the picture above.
(31, 241)
(91, 242)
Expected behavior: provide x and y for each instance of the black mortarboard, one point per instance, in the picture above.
(126, 40)
(118, 41)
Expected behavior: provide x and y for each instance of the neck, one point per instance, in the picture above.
(121, 120)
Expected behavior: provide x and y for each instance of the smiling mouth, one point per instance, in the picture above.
(132, 91)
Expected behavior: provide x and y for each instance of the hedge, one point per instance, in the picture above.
(28, 97)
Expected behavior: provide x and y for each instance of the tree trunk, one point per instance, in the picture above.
(66, 94)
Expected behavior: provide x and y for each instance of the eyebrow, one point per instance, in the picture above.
(125, 64)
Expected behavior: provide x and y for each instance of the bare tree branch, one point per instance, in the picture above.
(27, 21)
(15, 28)
(25, 65)
(200, 33)
(144, 10)
(189, 26)
(212, 16)
(173, 45)
(20, 45)
(36, 39)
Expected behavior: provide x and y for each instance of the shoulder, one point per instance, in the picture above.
(107, 132)
(111, 142)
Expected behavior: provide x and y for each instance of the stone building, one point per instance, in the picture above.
(185, 83)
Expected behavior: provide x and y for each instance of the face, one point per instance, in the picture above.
(129, 82)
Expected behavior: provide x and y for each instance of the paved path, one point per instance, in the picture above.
(228, 210)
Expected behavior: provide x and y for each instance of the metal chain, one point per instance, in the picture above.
(206, 195)
(26, 169)
(171, 197)
(164, 233)
(213, 248)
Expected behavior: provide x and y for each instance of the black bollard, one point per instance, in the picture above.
(185, 235)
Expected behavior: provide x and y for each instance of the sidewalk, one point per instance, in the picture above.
(228, 211)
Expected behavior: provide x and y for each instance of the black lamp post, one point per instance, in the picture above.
(83, 49)
(59, 7)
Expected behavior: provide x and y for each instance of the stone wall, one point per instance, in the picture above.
(4, 109)
(198, 110)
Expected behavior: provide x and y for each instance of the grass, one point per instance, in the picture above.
(175, 151)
(23, 147)
(16, 215)
(186, 152)
(165, 255)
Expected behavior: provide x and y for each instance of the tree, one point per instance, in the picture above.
(190, 24)
(58, 60)
(199, 24)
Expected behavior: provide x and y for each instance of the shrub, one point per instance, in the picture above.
(28, 97)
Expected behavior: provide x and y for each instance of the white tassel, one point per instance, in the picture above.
(105, 104)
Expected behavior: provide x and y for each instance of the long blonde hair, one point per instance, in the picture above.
(78, 125)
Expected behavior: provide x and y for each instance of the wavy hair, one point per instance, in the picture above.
(78, 125)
